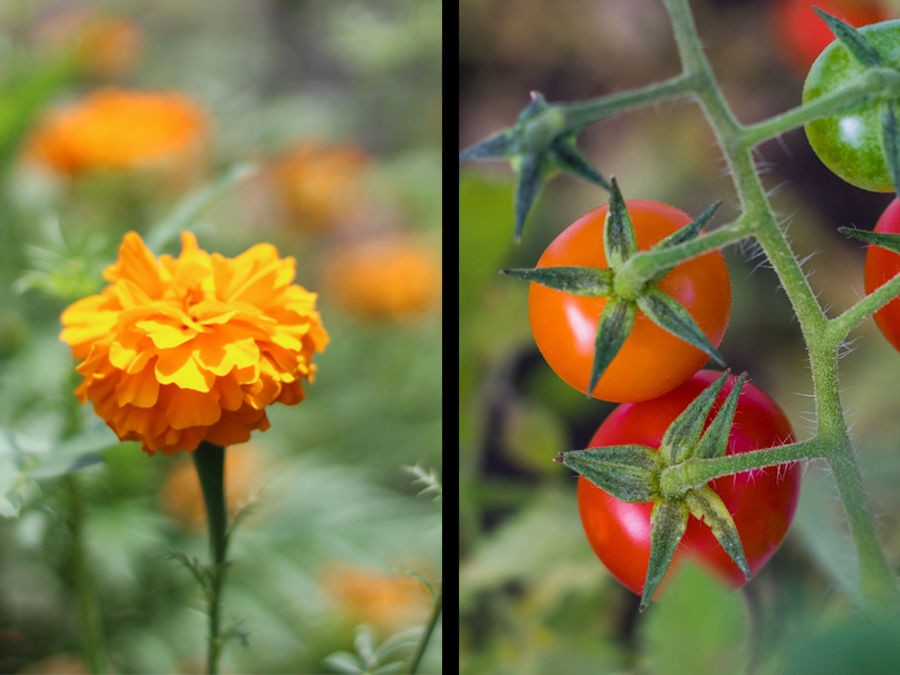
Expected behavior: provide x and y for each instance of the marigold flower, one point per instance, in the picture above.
(387, 602)
(179, 350)
(384, 277)
(117, 129)
(321, 187)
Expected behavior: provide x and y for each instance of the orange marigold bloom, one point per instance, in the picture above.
(383, 277)
(180, 350)
(118, 129)
(387, 602)
(321, 186)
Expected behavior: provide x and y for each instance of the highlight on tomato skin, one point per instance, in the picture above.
(652, 361)
(881, 266)
(801, 35)
(761, 502)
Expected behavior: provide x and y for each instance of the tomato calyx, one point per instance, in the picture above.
(636, 473)
(891, 242)
(540, 145)
(625, 287)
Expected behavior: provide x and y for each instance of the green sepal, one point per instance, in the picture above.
(891, 242)
(619, 240)
(851, 38)
(666, 313)
(891, 142)
(503, 144)
(630, 473)
(613, 327)
(586, 281)
(683, 433)
(572, 161)
(715, 440)
(705, 505)
(668, 522)
(686, 233)
(532, 172)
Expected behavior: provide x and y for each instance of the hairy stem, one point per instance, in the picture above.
(426, 636)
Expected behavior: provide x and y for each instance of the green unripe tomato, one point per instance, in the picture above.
(850, 144)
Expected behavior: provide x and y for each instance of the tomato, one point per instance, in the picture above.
(652, 361)
(802, 35)
(761, 501)
(881, 266)
(850, 144)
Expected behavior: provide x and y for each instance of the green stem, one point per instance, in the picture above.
(426, 636)
(85, 587)
(862, 310)
(877, 81)
(582, 113)
(209, 460)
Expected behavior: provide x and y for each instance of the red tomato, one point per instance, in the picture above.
(652, 361)
(802, 35)
(761, 501)
(881, 266)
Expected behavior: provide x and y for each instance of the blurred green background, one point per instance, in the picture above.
(534, 599)
(334, 565)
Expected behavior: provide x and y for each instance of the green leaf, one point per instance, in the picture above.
(666, 313)
(855, 43)
(891, 242)
(668, 522)
(683, 433)
(891, 141)
(187, 210)
(629, 473)
(707, 506)
(591, 282)
(715, 440)
(619, 240)
(613, 327)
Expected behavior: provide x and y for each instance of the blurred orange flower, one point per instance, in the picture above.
(387, 602)
(177, 351)
(182, 498)
(118, 129)
(321, 187)
(102, 46)
(383, 277)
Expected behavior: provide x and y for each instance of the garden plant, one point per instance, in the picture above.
(631, 303)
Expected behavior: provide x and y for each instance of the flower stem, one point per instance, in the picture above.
(426, 636)
(91, 630)
(209, 460)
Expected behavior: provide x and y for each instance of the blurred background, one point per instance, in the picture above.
(534, 598)
(310, 124)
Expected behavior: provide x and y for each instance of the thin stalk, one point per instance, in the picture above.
(209, 460)
(426, 636)
(862, 310)
(85, 586)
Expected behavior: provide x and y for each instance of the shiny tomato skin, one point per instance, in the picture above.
(652, 361)
(881, 266)
(802, 35)
(850, 144)
(761, 502)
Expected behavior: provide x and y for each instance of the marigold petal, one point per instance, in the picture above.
(165, 335)
(179, 367)
(188, 408)
(137, 264)
(140, 389)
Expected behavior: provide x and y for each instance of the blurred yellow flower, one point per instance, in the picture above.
(387, 602)
(182, 498)
(175, 351)
(117, 129)
(383, 277)
(320, 186)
